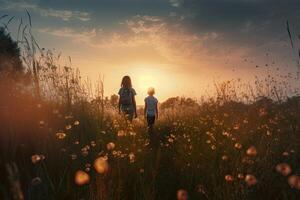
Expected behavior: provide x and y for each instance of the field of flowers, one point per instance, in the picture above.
(216, 149)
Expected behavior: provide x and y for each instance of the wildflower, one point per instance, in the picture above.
(84, 151)
(245, 121)
(76, 123)
(294, 181)
(142, 170)
(121, 133)
(81, 178)
(93, 143)
(182, 195)
(251, 151)
(285, 153)
(250, 180)
(110, 146)
(229, 178)
(131, 157)
(241, 176)
(238, 145)
(236, 127)
(213, 147)
(68, 117)
(283, 168)
(224, 157)
(37, 158)
(132, 133)
(226, 134)
(68, 127)
(101, 165)
(60, 135)
(170, 140)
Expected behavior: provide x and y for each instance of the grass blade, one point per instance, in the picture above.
(3, 16)
(29, 17)
(289, 32)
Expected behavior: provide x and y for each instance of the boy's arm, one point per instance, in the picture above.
(134, 105)
(145, 109)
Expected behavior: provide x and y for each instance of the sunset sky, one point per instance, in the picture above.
(178, 46)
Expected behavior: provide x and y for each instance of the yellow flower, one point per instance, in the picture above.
(110, 146)
(250, 180)
(251, 151)
(101, 165)
(60, 135)
(229, 178)
(81, 177)
(283, 168)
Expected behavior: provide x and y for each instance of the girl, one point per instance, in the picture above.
(127, 103)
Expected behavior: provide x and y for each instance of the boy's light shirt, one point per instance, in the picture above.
(151, 102)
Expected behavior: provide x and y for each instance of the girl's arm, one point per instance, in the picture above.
(134, 105)
(156, 108)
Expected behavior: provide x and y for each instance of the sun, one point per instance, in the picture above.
(145, 76)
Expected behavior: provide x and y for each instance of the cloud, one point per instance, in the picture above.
(242, 22)
(176, 3)
(85, 36)
(65, 15)
(169, 39)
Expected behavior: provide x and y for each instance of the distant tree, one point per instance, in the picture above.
(174, 102)
(10, 61)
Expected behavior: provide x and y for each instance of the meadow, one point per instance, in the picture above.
(61, 138)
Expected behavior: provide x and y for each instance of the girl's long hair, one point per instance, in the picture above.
(126, 82)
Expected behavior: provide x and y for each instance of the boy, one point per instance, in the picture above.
(151, 111)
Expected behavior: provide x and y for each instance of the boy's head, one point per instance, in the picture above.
(151, 91)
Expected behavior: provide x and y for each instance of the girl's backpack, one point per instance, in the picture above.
(126, 97)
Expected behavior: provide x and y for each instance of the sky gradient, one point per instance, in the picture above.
(178, 46)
